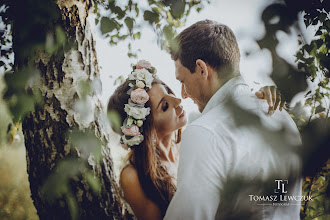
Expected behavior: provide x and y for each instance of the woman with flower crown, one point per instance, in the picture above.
(152, 118)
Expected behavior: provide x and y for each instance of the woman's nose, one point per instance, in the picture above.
(177, 102)
(183, 92)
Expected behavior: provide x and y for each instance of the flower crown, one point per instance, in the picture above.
(140, 80)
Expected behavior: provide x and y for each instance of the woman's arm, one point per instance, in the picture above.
(134, 195)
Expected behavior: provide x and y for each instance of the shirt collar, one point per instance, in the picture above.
(222, 93)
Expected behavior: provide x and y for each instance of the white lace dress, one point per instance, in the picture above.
(172, 169)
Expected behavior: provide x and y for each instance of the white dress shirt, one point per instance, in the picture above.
(223, 168)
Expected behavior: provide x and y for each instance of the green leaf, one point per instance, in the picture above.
(319, 43)
(56, 184)
(84, 88)
(151, 17)
(137, 35)
(129, 23)
(108, 25)
(327, 23)
(177, 8)
(115, 120)
(50, 46)
(86, 142)
(137, 10)
(93, 182)
(60, 35)
(322, 17)
(118, 11)
(73, 206)
(18, 100)
(309, 60)
(311, 208)
(319, 109)
(168, 32)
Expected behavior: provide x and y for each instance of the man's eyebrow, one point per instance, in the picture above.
(160, 102)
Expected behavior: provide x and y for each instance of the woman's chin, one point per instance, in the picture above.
(184, 121)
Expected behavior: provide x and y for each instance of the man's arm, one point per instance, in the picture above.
(202, 170)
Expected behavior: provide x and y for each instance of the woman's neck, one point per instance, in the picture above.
(165, 147)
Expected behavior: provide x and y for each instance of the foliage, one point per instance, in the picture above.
(125, 21)
(41, 37)
(313, 65)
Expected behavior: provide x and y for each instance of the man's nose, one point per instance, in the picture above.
(183, 92)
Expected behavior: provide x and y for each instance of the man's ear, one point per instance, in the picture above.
(201, 68)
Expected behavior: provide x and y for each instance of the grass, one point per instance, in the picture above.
(15, 195)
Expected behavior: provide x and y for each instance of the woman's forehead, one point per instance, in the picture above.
(157, 90)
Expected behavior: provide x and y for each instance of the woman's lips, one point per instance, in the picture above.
(182, 114)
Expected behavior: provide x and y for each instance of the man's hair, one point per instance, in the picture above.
(209, 41)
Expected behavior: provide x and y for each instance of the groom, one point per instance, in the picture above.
(227, 171)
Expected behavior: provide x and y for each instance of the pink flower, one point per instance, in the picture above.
(132, 131)
(143, 64)
(139, 96)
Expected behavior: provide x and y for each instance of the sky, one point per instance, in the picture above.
(242, 16)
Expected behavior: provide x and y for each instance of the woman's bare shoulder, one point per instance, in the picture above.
(129, 175)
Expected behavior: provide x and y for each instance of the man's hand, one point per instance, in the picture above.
(273, 97)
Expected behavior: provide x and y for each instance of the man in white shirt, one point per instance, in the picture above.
(236, 162)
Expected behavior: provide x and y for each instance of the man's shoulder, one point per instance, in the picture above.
(211, 122)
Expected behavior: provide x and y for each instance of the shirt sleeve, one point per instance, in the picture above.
(201, 173)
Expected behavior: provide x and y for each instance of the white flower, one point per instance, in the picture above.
(133, 141)
(143, 64)
(129, 121)
(142, 75)
(139, 123)
(140, 84)
(137, 112)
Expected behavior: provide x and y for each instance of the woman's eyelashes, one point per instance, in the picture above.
(165, 106)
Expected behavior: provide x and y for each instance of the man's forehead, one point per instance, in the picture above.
(177, 69)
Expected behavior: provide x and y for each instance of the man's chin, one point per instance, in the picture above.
(199, 105)
(200, 108)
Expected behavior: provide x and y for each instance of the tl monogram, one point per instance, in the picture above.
(281, 186)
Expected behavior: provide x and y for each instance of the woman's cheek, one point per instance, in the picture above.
(164, 123)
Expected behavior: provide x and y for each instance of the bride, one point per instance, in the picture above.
(152, 118)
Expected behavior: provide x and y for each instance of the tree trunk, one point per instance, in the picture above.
(46, 128)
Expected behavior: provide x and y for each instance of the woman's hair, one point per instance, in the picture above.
(154, 178)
